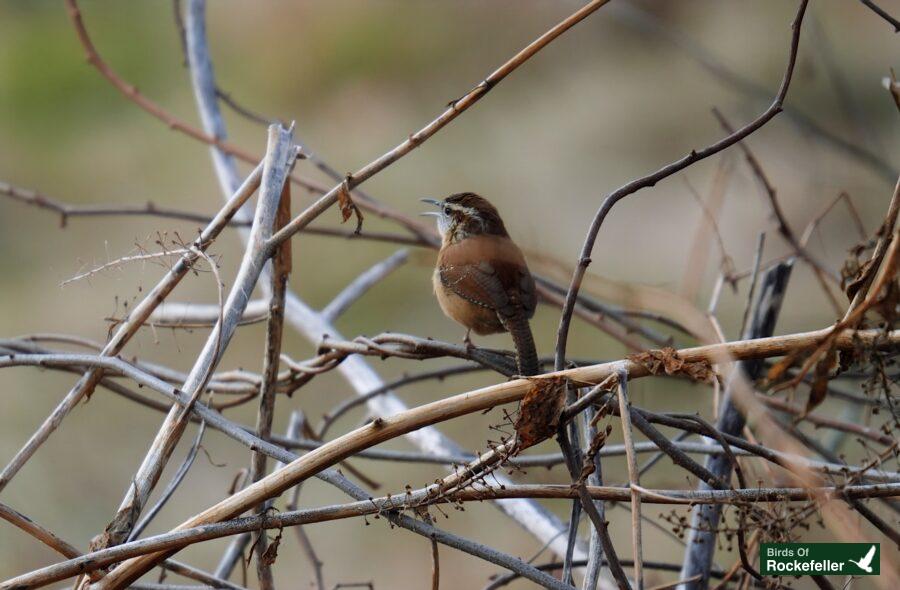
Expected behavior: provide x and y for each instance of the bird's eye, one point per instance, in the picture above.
(446, 210)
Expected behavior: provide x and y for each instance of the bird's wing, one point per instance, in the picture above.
(865, 561)
(476, 283)
(499, 286)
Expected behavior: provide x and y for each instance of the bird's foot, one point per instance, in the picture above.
(467, 340)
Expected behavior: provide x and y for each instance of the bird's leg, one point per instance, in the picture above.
(467, 340)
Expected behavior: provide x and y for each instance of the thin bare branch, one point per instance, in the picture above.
(294, 429)
(634, 479)
(784, 228)
(656, 25)
(664, 172)
(172, 485)
(455, 108)
(129, 328)
(361, 284)
(243, 435)
(66, 549)
(883, 14)
(68, 210)
(388, 504)
(280, 157)
(281, 268)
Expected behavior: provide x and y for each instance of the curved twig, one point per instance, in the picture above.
(651, 179)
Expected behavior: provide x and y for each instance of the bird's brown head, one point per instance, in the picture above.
(464, 215)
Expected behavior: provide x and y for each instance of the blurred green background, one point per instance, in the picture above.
(609, 101)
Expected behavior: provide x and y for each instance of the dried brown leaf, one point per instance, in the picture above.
(587, 468)
(665, 361)
(821, 377)
(271, 553)
(539, 412)
(345, 202)
(597, 443)
(853, 284)
(348, 207)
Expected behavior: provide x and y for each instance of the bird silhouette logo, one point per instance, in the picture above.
(865, 563)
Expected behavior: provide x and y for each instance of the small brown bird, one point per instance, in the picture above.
(481, 279)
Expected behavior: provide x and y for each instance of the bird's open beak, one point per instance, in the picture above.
(434, 202)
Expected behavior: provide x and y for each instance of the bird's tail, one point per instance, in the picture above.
(526, 354)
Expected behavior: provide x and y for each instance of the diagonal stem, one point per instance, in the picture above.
(281, 268)
(85, 386)
(279, 158)
(634, 478)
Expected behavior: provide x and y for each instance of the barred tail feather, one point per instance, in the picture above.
(526, 353)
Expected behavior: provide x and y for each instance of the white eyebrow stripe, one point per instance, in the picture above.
(468, 210)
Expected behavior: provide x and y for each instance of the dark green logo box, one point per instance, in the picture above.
(828, 559)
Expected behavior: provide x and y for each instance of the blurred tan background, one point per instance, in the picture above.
(609, 101)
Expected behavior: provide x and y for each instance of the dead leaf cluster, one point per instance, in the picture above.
(665, 361)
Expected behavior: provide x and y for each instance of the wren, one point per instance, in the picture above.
(481, 279)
